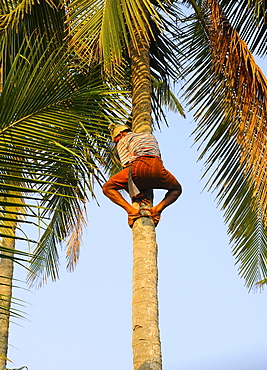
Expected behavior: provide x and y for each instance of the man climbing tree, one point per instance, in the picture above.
(143, 169)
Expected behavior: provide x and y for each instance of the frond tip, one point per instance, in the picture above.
(74, 243)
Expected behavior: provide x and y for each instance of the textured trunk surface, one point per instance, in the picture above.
(145, 337)
(6, 276)
(141, 89)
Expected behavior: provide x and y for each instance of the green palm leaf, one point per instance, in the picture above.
(166, 97)
(54, 137)
(108, 26)
(109, 29)
(21, 19)
(249, 19)
(227, 114)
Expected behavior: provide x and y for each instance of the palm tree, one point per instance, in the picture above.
(227, 91)
(54, 118)
(132, 52)
(230, 91)
(54, 159)
(17, 66)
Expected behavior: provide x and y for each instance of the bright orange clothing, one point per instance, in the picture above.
(147, 173)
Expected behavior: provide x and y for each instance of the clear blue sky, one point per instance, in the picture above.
(208, 320)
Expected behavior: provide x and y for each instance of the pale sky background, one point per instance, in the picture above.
(208, 320)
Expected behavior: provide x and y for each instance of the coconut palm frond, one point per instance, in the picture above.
(13, 12)
(228, 92)
(165, 97)
(74, 242)
(103, 28)
(242, 209)
(248, 233)
(246, 89)
(249, 18)
(66, 218)
(19, 20)
(54, 137)
(11, 216)
(57, 95)
(113, 24)
(164, 53)
(16, 312)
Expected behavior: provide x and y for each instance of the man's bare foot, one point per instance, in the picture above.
(132, 219)
(137, 214)
(133, 215)
(155, 215)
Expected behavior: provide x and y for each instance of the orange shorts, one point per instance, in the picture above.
(147, 173)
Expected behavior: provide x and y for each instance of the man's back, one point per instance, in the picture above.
(134, 145)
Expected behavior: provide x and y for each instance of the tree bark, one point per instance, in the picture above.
(145, 336)
(6, 273)
(141, 88)
(6, 276)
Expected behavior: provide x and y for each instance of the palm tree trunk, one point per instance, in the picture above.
(141, 88)
(145, 337)
(6, 276)
(6, 272)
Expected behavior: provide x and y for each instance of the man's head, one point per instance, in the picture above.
(117, 130)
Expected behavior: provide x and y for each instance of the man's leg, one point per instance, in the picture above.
(170, 197)
(110, 189)
(114, 195)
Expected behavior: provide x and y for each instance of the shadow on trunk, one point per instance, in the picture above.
(150, 365)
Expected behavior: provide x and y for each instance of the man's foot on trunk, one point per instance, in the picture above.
(132, 219)
(155, 215)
